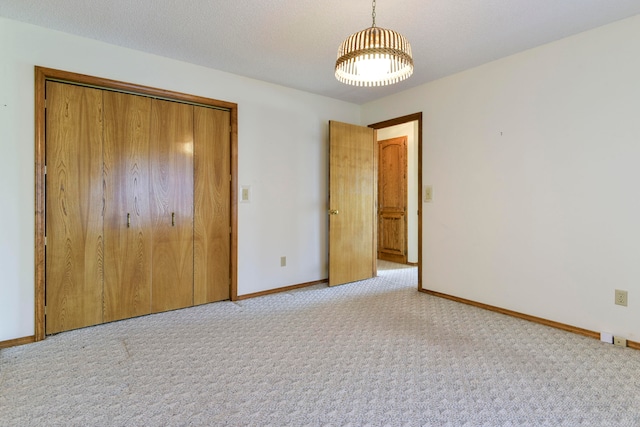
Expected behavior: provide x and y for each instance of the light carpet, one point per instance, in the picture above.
(374, 353)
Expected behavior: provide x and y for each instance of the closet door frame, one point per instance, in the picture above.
(42, 75)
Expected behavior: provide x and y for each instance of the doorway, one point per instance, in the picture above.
(394, 128)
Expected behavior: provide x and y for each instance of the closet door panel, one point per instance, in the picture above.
(127, 223)
(212, 169)
(171, 156)
(74, 251)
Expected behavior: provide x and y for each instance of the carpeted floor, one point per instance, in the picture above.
(370, 353)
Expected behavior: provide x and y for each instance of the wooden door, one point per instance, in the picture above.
(74, 244)
(171, 191)
(352, 203)
(392, 200)
(127, 225)
(212, 207)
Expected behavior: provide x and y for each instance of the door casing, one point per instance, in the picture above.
(398, 121)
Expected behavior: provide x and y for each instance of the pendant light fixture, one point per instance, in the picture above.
(374, 57)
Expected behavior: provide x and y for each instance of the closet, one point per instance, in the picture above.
(137, 203)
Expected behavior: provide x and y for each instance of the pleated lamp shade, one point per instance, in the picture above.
(374, 57)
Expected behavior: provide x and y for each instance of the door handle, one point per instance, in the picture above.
(173, 219)
(128, 220)
(333, 212)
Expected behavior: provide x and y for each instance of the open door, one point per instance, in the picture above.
(352, 203)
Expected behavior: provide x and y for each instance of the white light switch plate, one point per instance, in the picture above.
(245, 194)
(428, 193)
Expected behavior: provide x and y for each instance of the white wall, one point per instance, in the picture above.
(282, 140)
(533, 159)
(534, 162)
(410, 130)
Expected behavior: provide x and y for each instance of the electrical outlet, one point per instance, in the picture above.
(619, 341)
(621, 297)
(606, 337)
(283, 261)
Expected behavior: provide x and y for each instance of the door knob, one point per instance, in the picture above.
(173, 219)
(333, 212)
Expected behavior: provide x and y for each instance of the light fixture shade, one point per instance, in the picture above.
(374, 57)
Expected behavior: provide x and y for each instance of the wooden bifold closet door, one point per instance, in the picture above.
(127, 235)
(74, 251)
(172, 205)
(212, 216)
(138, 199)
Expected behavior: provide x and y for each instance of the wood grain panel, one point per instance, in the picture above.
(127, 222)
(74, 252)
(391, 232)
(352, 192)
(171, 183)
(392, 199)
(212, 205)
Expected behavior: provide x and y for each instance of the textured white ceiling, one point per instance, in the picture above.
(294, 42)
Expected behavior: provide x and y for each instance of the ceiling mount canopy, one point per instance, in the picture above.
(374, 57)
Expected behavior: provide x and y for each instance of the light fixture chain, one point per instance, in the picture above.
(373, 13)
